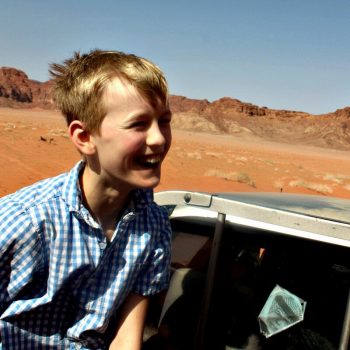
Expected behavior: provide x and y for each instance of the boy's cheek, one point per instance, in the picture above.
(131, 144)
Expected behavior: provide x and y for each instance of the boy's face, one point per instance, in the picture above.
(134, 138)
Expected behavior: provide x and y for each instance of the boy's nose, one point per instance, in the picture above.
(155, 137)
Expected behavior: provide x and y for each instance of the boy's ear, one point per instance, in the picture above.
(81, 138)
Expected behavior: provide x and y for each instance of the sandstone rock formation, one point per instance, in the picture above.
(223, 116)
(17, 90)
(231, 116)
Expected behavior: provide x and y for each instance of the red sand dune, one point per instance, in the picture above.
(34, 145)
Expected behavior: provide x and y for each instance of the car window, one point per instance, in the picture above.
(250, 264)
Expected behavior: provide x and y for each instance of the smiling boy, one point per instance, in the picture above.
(81, 253)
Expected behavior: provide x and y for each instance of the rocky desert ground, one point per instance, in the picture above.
(34, 145)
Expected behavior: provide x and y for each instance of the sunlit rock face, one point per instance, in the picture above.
(17, 90)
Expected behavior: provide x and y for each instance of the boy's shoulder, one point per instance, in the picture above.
(63, 185)
(38, 192)
(18, 209)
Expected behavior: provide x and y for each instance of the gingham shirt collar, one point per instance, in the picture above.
(72, 195)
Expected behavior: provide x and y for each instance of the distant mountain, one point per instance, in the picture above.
(231, 116)
(223, 116)
(17, 90)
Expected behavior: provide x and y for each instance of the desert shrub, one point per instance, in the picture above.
(313, 186)
(231, 176)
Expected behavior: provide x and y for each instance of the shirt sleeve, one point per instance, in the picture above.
(154, 277)
(19, 250)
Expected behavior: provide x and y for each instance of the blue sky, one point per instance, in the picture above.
(284, 54)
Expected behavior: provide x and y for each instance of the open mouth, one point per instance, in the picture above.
(149, 162)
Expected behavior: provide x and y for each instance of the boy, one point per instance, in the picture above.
(80, 253)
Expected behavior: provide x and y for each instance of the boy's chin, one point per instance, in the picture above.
(151, 185)
(148, 184)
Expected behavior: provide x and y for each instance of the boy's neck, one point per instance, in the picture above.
(105, 204)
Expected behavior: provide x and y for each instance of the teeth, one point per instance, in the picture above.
(150, 160)
(153, 160)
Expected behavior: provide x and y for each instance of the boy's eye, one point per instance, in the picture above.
(139, 124)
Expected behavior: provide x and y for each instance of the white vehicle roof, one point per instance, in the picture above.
(313, 217)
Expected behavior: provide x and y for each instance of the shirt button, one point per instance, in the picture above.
(102, 245)
(129, 217)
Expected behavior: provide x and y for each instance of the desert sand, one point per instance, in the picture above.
(34, 145)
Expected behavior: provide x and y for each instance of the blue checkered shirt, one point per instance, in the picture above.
(61, 281)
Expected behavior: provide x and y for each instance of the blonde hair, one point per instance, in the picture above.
(81, 80)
